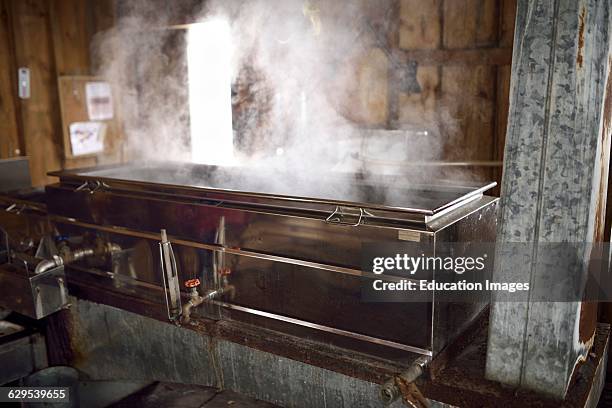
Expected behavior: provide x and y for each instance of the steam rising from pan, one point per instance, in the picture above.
(309, 86)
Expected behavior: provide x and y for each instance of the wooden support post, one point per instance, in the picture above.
(553, 188)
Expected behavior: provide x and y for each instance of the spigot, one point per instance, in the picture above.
(194, 299)
(192, 285)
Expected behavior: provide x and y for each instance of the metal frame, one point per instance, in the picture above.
(103, 181)
(265, 235)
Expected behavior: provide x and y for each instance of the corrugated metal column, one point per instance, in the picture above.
(554, 183)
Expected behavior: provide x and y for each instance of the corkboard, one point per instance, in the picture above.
(73, 105)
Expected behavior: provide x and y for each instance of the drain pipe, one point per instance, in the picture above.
(403, 385)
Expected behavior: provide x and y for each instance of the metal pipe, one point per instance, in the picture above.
(196, 300)
(390, 392)
(48, 264)
(78, 254)
(73, 256)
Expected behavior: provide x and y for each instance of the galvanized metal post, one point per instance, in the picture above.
(554, 183)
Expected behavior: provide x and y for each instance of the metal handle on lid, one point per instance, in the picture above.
(336, 217)
(14, 208)
(18, 208)
(91, 186)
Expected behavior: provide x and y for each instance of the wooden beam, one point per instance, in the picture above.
(461, 57)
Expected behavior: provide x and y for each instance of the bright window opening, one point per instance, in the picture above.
(209, 49)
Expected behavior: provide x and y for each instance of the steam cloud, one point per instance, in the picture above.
(310, 84)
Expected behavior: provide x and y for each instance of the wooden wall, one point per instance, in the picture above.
(51, 38)
(463, 49)
(11, 139)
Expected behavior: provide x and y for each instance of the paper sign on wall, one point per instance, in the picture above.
(99, 100)
(87, 137)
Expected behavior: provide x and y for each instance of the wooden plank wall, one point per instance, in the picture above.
(11, 144)
(464, 50)
(51, 38)
(39, 113)
(71, 47)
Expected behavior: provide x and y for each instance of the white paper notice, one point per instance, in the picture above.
(87, 137)
(99, 100)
